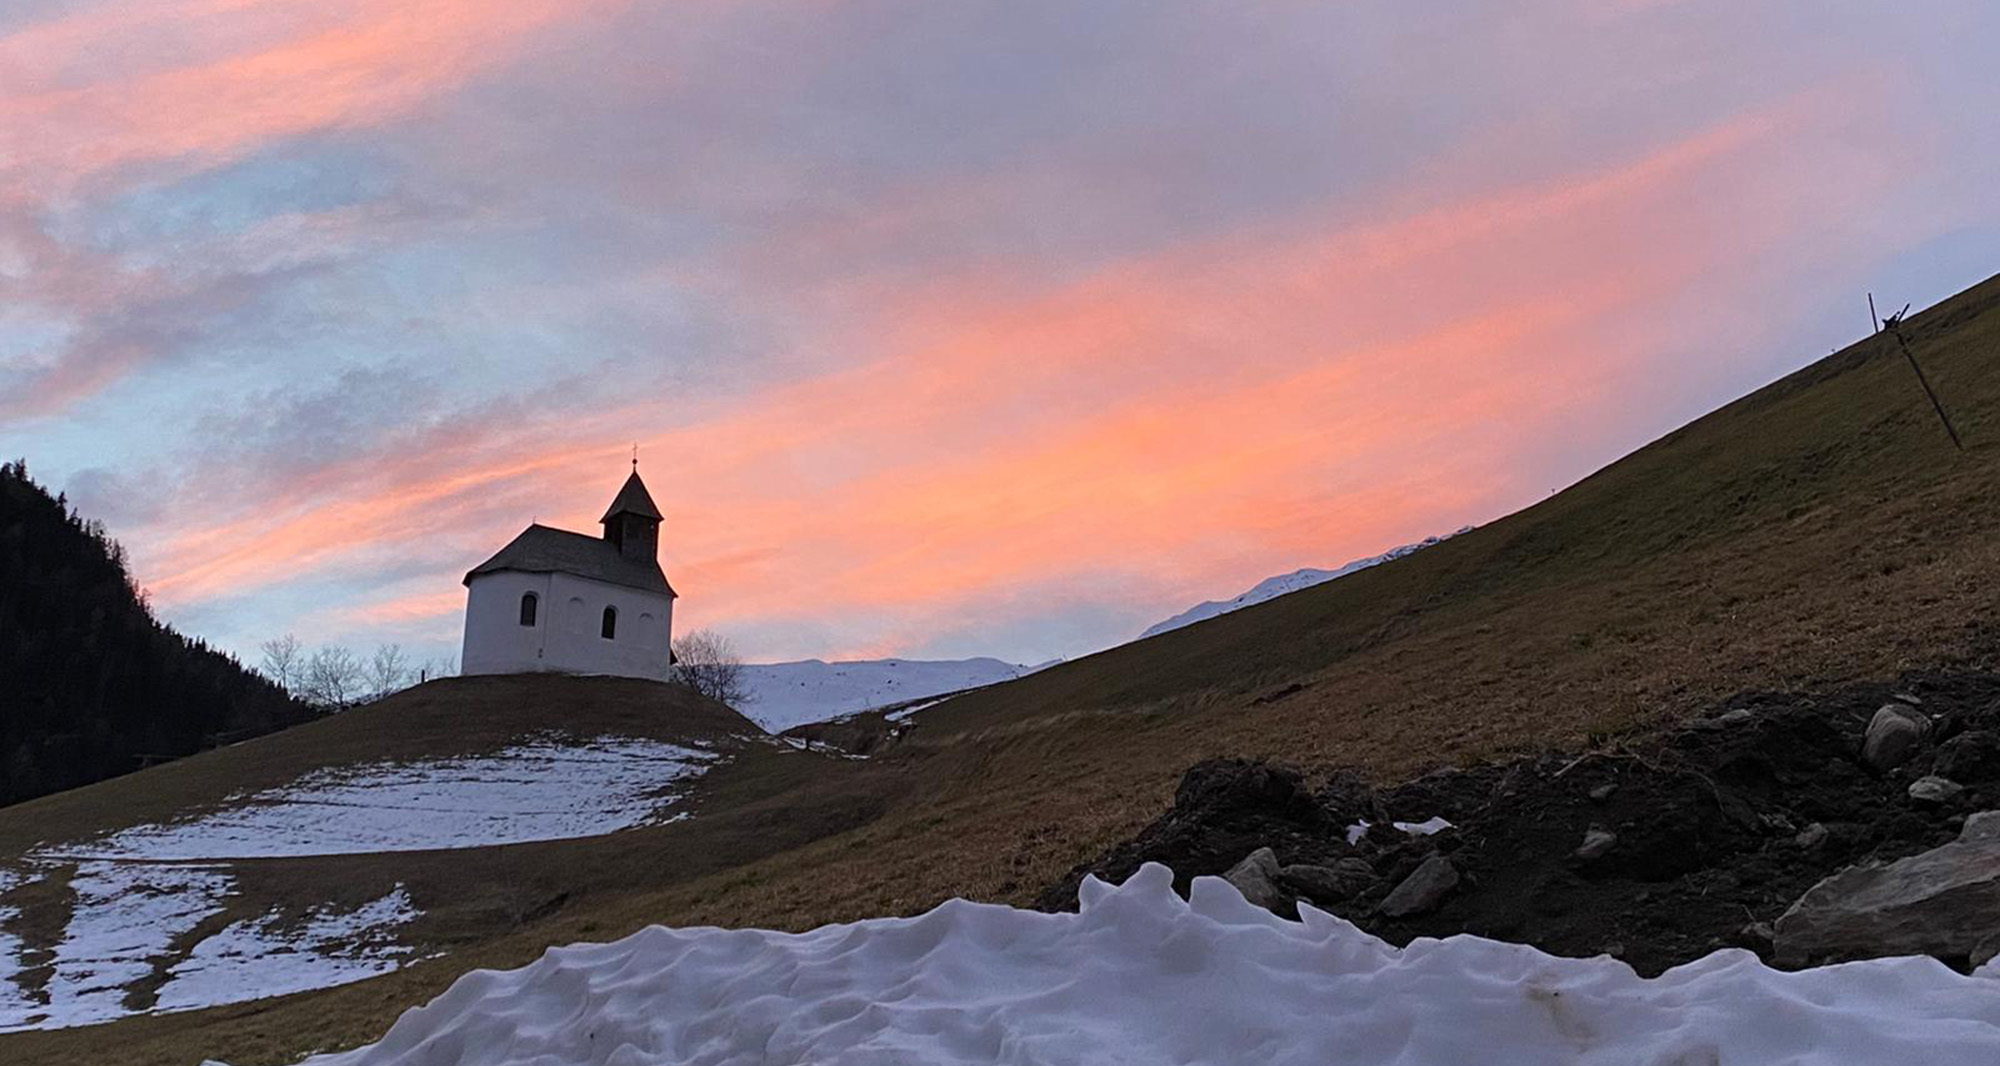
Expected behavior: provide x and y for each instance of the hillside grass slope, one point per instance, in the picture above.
(1818, 531)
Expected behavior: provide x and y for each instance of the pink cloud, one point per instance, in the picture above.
(211, 80)
(1304, 393)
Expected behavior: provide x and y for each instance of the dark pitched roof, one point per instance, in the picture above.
(541, 549)
(633, 498)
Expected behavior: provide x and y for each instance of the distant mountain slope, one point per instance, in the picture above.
(91, 685)
(783, 695)
(1273, 587)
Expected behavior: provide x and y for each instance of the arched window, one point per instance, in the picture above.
(529, 601)
(610, 629)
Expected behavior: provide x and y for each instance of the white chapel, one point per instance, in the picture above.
(557, 601)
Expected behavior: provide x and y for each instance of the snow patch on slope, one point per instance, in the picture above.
(13, 1002)
(1141, 976)
(141, 894)
(1273, 587)
(126, 914)
(782, 695)
(545, 789)
(269, 956)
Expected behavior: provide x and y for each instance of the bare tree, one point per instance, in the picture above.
(388, 671)
(332, 678)
(284, 661)
(706, 662)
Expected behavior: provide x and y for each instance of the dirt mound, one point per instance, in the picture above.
(1658, 850)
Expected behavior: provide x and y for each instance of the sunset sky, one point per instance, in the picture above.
(943, 328)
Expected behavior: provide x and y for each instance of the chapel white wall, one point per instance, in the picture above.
(566, 635)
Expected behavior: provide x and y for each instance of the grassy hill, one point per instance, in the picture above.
(267, 816)
(1817, 531)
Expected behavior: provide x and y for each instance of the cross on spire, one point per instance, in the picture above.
(635, 457)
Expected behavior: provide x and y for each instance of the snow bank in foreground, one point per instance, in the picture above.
(1142, 977)
(545, 789)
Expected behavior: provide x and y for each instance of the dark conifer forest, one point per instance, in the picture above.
(91, 685)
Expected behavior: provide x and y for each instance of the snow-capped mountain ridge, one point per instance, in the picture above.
(783, 695)
(1272, 587)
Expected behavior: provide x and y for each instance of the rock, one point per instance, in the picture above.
(1893, 736)
(1338, 883)
(1603, 792)
(1423, 890)
(1777, 823)
(1757, 936)
(1347, 799)
(1935, 790)
(1255, 878)
(1972, 756)
(1985, 951)
(1811, 836)
(1215, 786)
(1944, 902)
(1982, 826)
(1596, 841)
(1725, 720)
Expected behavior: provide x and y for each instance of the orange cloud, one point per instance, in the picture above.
(417, 607)
(215, 79)
(1193, 419)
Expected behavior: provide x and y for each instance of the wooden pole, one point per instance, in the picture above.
(1874, 319)
(1936, 404)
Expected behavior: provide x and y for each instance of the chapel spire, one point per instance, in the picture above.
(632, 523)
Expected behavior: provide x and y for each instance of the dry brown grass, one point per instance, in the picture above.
(1821, 530)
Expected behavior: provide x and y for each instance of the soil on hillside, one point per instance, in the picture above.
(1715, 828)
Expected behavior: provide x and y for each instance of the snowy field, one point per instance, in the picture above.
(13, 1003)
(540, 790)
(142, 893)
(1142, 977)
(266, 956)
(128, 916)
(782, 695)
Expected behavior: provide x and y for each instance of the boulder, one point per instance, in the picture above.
(1423, 890)
(1348, 799)
(1338, 883)
(1944, 902)
(1221, 787)
(1596, 841)
(1893, 736)
(1972, 757)
(1935, 790)
(1255, 878)
(1811, 836)
(1982, 826)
